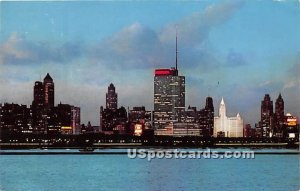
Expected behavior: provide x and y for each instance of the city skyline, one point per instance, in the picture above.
(239, 50)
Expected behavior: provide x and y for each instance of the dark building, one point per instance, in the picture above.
(47, 119)
(52, 121)
(48, 91)
(64, 119)
(113, 121)
(249, 131)
(38, 95)
(266, 120)
(38, 109)
(206, 118)
(279, 117)
(139, 120)
(111, 98)
(15, 118)
(43, 101)
(87, 129)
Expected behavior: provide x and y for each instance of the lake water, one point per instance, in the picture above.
(118, 172)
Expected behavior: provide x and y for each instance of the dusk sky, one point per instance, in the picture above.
(240, 50)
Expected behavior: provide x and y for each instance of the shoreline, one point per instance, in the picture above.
(25, 146)
(43, 152)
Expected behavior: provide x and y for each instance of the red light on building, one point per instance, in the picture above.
(163, 72)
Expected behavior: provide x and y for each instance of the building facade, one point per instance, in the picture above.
(139, 120)
(112, 118)
(279, 117)
(169, 98)
(227, 126)
(15, 118)
(111, 98)
(266, 122)
(48, 91)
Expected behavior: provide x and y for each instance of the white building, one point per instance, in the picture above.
(227, 126)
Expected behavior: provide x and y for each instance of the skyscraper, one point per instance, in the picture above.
(111, 98)
(227, 126)
(169, 97)
(279, 116)
(207, 118)
(266, 119)
(48, 91)
(38, 95)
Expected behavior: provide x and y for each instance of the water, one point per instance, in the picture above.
(117, 172)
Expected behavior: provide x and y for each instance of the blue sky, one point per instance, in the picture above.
(250, 47)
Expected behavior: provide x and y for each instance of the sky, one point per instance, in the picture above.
(239, 50)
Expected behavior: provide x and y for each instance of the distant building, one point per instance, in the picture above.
(48, 91)
(249, 131)
(48, 119)
(111, 98)
(227, 126)
(291, 127)
(266, 122)
(139, 120)
(15, 118)
(38, 95)
(169, 98)
(64, 119)
(75, 120)
(112, 119)
(43, 101)
(206, 118)
(279, 117)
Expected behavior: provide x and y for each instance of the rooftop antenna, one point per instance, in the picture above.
(176, 47)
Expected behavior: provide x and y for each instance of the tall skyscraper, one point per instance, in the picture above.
(38, 95)
(227, 126)
(48, 91)
(169, 97)
(111, 98)
(209, 110)
(279, 116)
(266, 119)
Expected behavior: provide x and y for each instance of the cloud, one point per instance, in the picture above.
(17, 50)
(194, 29)
(135, 46)
(11, 49)
(235, 59)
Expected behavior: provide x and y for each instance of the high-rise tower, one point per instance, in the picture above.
(169, 96)
(38, 95)
(279, 116)
(48, 91)
(227, 126)
(209, 108)
(266, 119)
(111, 98)
(279, 108)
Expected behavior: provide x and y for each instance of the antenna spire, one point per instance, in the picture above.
(176, 49)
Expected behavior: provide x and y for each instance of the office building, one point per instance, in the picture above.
(169, 98)
(111, 98)
(227, 126)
